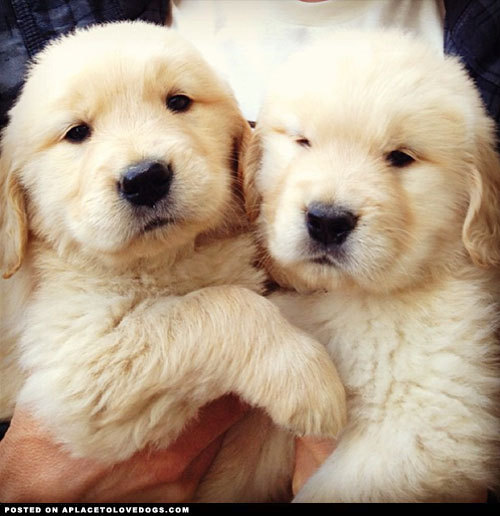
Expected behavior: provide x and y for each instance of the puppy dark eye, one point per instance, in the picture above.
(78, 133)
(399, 159)
(179, 103)
(303, 142)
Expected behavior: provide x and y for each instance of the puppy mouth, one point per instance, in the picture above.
(323, 260)
(326, 260)
(330, 257)
(158, 216)
(157, 223)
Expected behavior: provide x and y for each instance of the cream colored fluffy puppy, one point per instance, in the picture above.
(374, 168)
(129, 300)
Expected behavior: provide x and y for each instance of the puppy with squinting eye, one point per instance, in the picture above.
(129, 297)
(376, 185)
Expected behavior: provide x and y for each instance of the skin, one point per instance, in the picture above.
(35, 469)
(310, 453)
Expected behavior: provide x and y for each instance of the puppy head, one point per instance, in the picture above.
(372, 160)
(120, 145)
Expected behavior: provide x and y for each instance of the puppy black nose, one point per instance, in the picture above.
(145, 183)
(328, 224)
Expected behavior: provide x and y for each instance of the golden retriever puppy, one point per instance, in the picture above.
(374, 167)
(130, 297)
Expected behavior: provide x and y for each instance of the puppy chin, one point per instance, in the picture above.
(304, 270)
(166, 233)
(164, 240)
(306, 267)
(306, 276)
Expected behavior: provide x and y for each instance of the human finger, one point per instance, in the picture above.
(310, 453)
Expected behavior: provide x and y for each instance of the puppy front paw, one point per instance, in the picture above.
(313, 401)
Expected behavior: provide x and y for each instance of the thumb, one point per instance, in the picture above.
(310, 453)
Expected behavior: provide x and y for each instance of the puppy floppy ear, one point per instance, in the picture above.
(252, 161)
(13, 217)
(481, 230)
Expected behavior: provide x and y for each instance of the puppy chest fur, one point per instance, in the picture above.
(422, 381)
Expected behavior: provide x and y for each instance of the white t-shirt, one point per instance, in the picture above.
(245, 40)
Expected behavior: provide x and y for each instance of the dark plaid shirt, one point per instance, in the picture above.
(472, 31)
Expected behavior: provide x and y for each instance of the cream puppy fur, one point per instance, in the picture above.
(130, 298)
(374, 168)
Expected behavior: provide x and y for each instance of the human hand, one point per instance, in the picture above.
(310, 453)
(35, 469)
